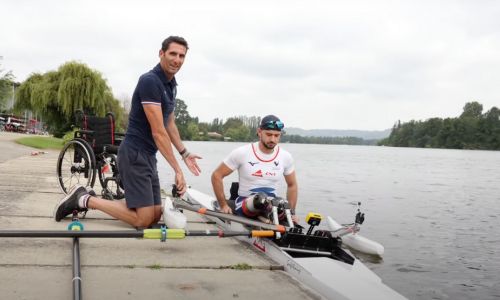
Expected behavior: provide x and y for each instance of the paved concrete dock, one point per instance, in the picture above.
(191, 268)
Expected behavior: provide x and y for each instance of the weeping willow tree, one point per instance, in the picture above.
(57, 95)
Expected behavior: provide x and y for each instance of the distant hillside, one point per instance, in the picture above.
(364, 134)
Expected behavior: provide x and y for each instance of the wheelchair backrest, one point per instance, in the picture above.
(102, 129)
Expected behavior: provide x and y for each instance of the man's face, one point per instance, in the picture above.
(171, 60)
(269, 138)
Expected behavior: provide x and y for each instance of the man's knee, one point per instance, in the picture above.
(143, 223)
(144, 220)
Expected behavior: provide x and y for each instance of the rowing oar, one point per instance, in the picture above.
(154, 234)
(234, 218)
(178, 202)
(76, 225)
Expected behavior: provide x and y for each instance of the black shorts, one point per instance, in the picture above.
(139, 175)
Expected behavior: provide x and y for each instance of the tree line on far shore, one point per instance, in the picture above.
(55, 96)
(244, 129)
(473, 129)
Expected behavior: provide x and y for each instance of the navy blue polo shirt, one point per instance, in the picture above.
(153, 88)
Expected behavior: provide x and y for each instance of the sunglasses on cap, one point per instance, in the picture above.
(273, 125)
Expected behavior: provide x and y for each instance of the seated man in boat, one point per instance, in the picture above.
(260, 166)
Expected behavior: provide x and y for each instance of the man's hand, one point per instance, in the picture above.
(226, 209)
(191, 163)
(295, 219)
(180, 182)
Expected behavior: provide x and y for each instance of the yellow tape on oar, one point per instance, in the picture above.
(155, 234)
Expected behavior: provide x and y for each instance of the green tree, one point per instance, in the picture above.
(252, 123)
(216, 126)
(472, 110)
(193, 132)
(238, 133)
(57, 95)
(489, 129)
(233, 122)
(6, 82)
(182, 118)
(203, 127)
(446, 137)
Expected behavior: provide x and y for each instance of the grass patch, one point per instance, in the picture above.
(130, 266)
(242, 266)
(155, 267)
(41, 142)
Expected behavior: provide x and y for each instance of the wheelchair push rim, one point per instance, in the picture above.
(76, 165)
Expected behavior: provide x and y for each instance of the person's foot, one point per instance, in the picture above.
(70, 203)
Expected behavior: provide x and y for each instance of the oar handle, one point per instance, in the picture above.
(262, 233)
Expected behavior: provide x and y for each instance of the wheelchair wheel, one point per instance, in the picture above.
(76, 165)
(109, 177)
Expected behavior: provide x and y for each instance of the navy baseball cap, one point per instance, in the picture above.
(271, 122)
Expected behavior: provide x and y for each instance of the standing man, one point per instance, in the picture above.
(151, 128)
(260, 166)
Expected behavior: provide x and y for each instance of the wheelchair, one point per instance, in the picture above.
(92, 151)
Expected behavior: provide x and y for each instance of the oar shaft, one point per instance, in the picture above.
(146, 233)
(71, 233)
(77, 280)
(222, 233)
(234, 218)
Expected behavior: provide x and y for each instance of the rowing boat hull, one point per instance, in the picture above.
(331, 278)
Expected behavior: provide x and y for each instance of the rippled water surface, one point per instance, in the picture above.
(435, 211)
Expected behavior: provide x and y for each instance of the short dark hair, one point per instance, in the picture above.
(173, 39)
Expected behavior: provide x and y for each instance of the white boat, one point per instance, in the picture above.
(332, 274)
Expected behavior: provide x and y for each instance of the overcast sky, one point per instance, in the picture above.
(315, 64)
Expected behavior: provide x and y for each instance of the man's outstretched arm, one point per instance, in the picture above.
(189, 158)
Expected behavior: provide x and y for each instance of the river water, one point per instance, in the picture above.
(435, 211)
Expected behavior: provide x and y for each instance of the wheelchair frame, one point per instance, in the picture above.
(92, 151)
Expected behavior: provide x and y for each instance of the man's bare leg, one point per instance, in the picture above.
(141, 217)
